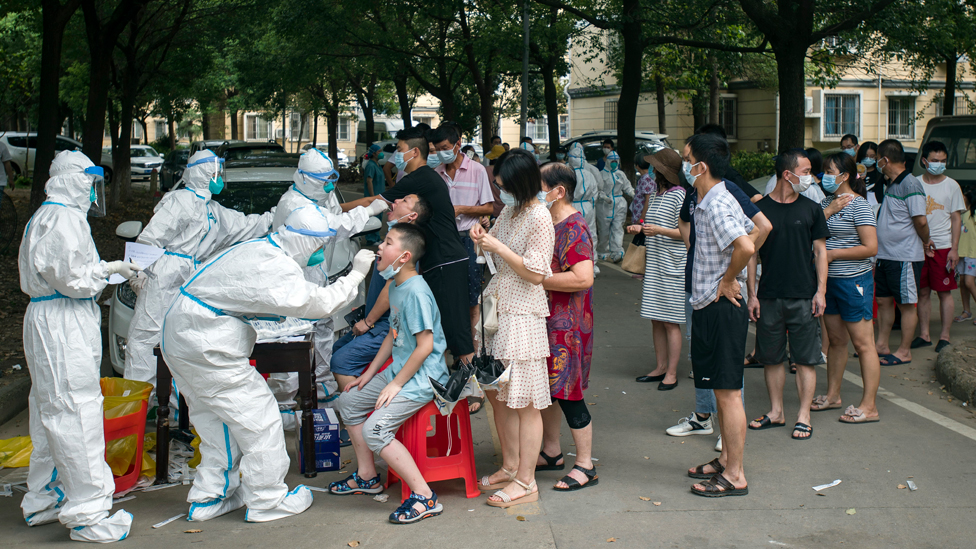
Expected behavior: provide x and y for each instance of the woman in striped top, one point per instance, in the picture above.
(664, 275)
(850, 287)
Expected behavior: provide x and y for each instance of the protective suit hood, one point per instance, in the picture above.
(69, 185)
(315, 171)
(305, 231)
(612, 157)
(199, 170)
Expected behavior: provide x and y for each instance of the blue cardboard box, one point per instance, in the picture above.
(325, 428)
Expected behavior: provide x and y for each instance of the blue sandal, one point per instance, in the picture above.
(408, 514)
(364, 487)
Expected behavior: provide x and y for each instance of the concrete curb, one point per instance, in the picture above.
(952, 368)
(13, 398)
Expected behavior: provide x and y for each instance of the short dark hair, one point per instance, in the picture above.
(423, 126)
(411, 239)
(415, 137)
(845, 164)
(788, 160)
(423, 209)
(448, 131)
(892, 150)
(933, 146)
(862, 151)
(816, 160)
(557, 174)
(525, 139)
(389, 147)
(608, 142)
(713, 129)
(713, 151)
(467, 148)
(494, 137)
(639, 160)
(850, 136)
(520, 175)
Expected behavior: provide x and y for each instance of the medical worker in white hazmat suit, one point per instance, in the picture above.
(206, 342)
(60, 270)
(612, 209)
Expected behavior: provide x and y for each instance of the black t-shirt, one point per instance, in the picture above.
(734, 176)
(443, 243)
(788, 270)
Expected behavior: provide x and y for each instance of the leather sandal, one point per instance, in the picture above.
(572, 484)
(700, 470)
(484, 485)
(507, 501)
(719, 486)
(551, 463)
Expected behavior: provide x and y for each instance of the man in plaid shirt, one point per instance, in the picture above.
(725, 240)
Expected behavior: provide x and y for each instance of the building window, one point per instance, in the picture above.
(610, 115)
(842, 114)
(727, 116)
(161, 128)
(256, 127)
(136, 130)
(429, 120)
(343, 129)
(901, 117)
(537, 130)
(962, 106)
(563, 127)
(298, 123)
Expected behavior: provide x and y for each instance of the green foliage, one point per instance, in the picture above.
(20, 61)
(752, 164)
(161, 144)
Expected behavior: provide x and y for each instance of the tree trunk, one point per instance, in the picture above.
(171, 128)
(487, 100)
(662, 126)
(949, 95)
(630, 84)
(98, 82)
(205, 123)
(699, 111)
(404, 99)
(332, 121)
(145, 131)
(448, 107)
(315, 128)
(713, 89)
(552, 106)
(234, 134)
(71, 124)
(121, 163)
(792, 89)
(301, 130)
(53, 20)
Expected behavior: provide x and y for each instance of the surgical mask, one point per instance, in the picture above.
(507, 199)
(391, 223)
(868, 162)
(852, 152)
(606, 151)
(389, 272)
(549, 203)
(433, 161)
(92, 196)
(936, 168)
(316, 258)
(216, 184)
(686, 168)
(446, 157)
(399, 161)
(560, 156)
(541, 196)
(469, 154)
(613, 166)
(830, 183)
(804, 182)
(380, 155)
(575, 162)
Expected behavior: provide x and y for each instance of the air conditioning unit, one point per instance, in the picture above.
(808, 105)
(280, 133)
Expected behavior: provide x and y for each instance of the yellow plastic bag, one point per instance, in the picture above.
(123, 396)
(15, 452)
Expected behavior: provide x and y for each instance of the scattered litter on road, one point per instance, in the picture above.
(353, 543)
(574, 455)
(120, 500)
(624, 392)
(821, 494)
(316, 488)
(194, 531)
(6, 491)
(20, 488)
(911, 485)
(17, 367)
(160, 487)
(851, 511)
(520, 518)
(771, 542)
(169, 520)
(382, 498)
(645, 457)
(642, 498)
(825, 486)
(611, 540)
(656, 503)
(470, 510)
(902, 486)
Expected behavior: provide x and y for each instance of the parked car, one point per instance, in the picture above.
(143, 159)
(959, 135)
(210, 144)
(172, 169)
(342, 159)
(252, 185)
(241, 150)
(592, 142)
(23, 149)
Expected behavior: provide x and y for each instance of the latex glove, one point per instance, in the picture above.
(363, 262)
(139, 283)
(126, 269)
(377, 207)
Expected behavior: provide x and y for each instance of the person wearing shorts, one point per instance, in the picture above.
(966, 268)
(943, 210)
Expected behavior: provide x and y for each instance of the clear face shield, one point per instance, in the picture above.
(215, 169)
(97, 196)
(327, 179)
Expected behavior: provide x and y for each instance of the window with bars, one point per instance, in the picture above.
(610, 114)
(162, 129)
(727, 115)
(841, 114)
(901, 117)
(563, 127)
(343, 130)
(537, 129)
(298, 122)
(962, 106)
(255, 127)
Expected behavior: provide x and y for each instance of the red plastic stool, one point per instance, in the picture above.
(121, 427)
(430, 451)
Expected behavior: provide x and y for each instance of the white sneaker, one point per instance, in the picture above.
(718, 445)
(214, 508)
(691, 425)
(109, 529)
(295, 503)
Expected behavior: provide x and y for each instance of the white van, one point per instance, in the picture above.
(384, 131)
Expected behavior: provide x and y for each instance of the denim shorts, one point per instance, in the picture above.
(966, 266)
(852, 298)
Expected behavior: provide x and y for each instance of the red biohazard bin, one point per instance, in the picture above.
(125, 403)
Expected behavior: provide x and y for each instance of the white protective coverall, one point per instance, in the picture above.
(61, 272)
(191, 227)
(587, 188)
(612, 209)
(206, 342)
(314, 184)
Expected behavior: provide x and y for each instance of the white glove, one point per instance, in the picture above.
(363, 262)
(126, 269)
(377, 207)
(138, 283)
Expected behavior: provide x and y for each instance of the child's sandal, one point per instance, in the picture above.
(408, 514)
(364, 487)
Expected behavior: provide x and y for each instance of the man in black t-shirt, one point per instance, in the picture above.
(791, 295)
(445, 262)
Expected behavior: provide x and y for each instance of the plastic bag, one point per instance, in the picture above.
(123, 396)
(15, 452)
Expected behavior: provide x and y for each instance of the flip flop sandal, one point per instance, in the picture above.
(484, 485)
(474, 400)
(892, 360)
(751, 362)
(573, 484)
(717, 487)
(766, 423)
(941, 345)
(410, 514)
(700, 470)
(821, 403)
(551, 463)
(919, 342)
(857, 416)
(803, 428)
(507, 501)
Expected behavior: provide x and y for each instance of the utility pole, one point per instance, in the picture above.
(524, 111)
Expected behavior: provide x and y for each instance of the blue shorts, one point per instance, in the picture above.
(474, 270)
(852, 298)
(352, 354)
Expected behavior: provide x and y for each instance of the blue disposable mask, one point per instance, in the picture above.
(399, 161)
(216, 184)
(380, 155)
(852, 152)
(560, 156)
(446, 157)
(868, 162)
(507, 199)
(541, 196)
(686, 170)
(433, 161)
(92, 196)
(613, 166)
(830, 183)
(317, 257)
(389, 272)
(393, 222)
(936, 168)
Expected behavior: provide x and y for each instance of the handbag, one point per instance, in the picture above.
(488, 323)
(634, 260)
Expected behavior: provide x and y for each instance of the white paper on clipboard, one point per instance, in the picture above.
(142, 255)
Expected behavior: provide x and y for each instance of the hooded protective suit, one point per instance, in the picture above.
(612, 209)
(191, 227)
(587, 187)
(61, 272)
(314, 182)
(206, 341)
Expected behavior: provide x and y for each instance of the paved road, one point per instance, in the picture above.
(921, 436)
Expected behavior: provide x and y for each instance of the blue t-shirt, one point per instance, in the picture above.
(414, 310)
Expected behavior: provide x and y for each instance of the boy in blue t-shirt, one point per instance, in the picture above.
(416, 342)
